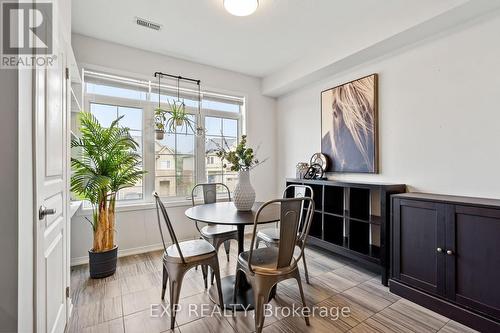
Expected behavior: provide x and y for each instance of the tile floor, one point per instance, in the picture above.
(122, 302)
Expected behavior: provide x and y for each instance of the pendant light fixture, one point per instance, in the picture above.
(241, 7)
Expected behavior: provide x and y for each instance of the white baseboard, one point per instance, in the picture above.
(121, 253)
(135, 250)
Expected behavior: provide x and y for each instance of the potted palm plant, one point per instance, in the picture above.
(107, 163)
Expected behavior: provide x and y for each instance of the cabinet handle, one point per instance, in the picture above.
(450, 252)
(439, 249)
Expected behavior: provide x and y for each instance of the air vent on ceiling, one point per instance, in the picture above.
(147, 24)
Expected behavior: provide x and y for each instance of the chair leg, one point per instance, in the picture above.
(204, 272)
(215, 268)
(261, 296)
(227, 247)
(164, 282)
(299, 282)
(175, 291)
(305, 267)
(257, 243)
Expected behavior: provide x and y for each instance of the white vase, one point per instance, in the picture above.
(244, 194)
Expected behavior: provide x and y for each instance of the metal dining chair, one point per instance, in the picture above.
(271, 236)
(180, 257)
(215, 234)
(266, 267)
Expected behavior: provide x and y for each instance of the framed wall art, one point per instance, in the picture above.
(349, 123)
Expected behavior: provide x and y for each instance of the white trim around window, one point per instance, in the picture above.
(148, 138)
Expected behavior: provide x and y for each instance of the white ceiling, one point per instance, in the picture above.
(279, 34)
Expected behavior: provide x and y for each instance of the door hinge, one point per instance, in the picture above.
(67, 292)
(67, 73)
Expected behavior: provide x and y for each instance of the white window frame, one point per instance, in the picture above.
(148, 135)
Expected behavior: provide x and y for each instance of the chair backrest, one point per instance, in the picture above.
(290, 223)
(209, 191)
(299, 191)
(173, 237)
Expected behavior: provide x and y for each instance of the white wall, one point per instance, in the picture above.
(439, 115)
(137, 229)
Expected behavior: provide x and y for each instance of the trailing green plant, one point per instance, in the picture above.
(160, 119)
(240, 159)
(178, 117)
(107, 163)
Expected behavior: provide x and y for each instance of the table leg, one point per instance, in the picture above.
(244, 294)
(241, 238)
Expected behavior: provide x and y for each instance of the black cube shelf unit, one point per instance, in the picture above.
(353, 220)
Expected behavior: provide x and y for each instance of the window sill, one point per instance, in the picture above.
(143, 205)
(137, 206)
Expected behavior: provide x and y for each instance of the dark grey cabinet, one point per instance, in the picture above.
(446, 256)
(352, 219)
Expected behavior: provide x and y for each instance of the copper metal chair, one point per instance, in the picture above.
(215, 234)
(266, 267)
(180, 257)
(271, 236)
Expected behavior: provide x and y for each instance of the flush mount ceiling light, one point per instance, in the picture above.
(241, 7)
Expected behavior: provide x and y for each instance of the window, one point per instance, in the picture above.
(132, 118)
(175, 155)
(181, 159)
(220, 132)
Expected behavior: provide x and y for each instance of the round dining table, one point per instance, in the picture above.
(225, 213)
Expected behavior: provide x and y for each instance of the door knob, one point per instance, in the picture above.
(43, 211)
(439, 249)
(450, 252)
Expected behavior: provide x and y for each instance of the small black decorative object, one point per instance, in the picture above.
(315, 171)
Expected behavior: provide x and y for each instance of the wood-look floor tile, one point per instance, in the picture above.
(356, 314)
(317, 266)
(215, 324)
(245, 321)
(142, 300)
(143, 322)
(454, 327)
(98, 312)
(389, 320)
(86, 295)
(375, 287)
(112, 288)
(357, 275)
(411, 310)
(297, 324)
(122, 302)
(314, 292)
(112, 326)
(371, 301)
(334, 281)
(195, 307)
(135, 283)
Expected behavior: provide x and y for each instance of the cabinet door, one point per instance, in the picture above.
(473, 267)
(418, 232)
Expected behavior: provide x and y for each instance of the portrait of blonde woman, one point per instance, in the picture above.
(349, 126)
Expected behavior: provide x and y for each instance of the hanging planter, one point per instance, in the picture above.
(160, 134)
(178, 118)
(160, 119)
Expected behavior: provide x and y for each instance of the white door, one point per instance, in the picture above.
(51, 154)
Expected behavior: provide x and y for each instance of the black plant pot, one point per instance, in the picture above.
(102, 264)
